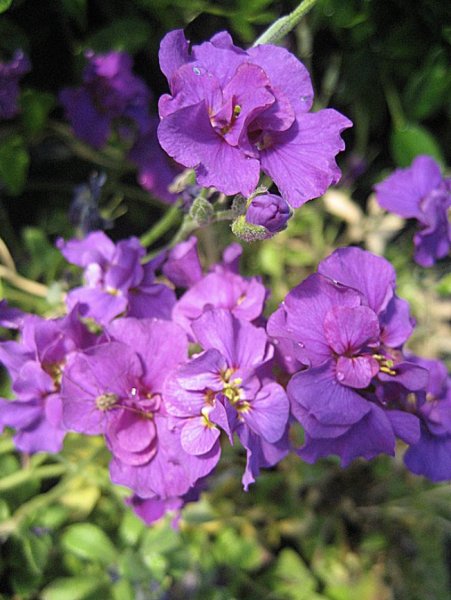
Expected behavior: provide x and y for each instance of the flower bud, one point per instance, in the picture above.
(201, 211)
(269, 211)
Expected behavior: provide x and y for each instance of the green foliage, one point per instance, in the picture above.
(14, 163)
(4, 5)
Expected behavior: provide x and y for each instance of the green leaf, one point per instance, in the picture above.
(428, 89)
(35, 110)
(293, 579)
(131, 34)
(4, 5)
(71, 588)
(408, 142)
(89, 542)
(14, 162)
(444, 285)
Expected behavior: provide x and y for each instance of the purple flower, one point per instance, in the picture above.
(420, 192)
(227, 388)
(269, 211)
(233, 112)
(116, 389)
(10, 74)
(223, 287)
(347, 325)
(156, 171)
(36, 363)
(110, 92)
(431, 454)
(115, 280)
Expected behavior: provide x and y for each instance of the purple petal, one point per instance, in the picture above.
(306, 307)
(348, 330)
(153, 301)
(242, 344)
(318, 392)
(202, 372)
(94, 248)
(301, 160)
(268, 412)
(198, 437)
(356, 372)
(187, 136)
(174, 52)
(101, 306)
(371, 275)
(396, 323)
(431, 457)
(370, 436)
(162, 346)
(405, 425)
(402, 192)
(286, 73)
(88, 123)
(182, 266)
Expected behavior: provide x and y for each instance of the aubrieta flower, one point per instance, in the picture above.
(35, 364)
(421, 192)
(232, 112)
(346, 325)
(227, 387)
(431, 454)
(10, 74)
(222, 287)
(115, 281)
(116, 389)
(110, 92)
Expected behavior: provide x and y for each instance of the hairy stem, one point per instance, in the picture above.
(284, 25)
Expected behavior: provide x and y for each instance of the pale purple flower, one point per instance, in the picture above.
(421, 192)
(232, 113)
(346, 325)
(35, 364)
(115, 281)
(110, 94)
(227, 387)
(224, 288)
(10, 74)
(269, 211)
(116, 389)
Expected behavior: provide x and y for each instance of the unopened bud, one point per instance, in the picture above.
(201, 211)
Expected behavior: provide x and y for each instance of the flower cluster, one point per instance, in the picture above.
(421, 192)
(113, 98)
(341, 331)
(167, 377)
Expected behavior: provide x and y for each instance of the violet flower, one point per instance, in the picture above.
(116, 389)
(431, 454)
(35, 364)
(110, 92)
(10, 74)
(115, 280)
(224, 288)
(346, 325)
(232, 113)
(421, 192)
(226, 388)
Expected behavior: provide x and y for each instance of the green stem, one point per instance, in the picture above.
(284, 25)
(108, 161)
(19, 477)
(168, 220)
(394, 104)
(6, 445)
